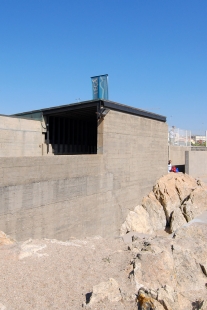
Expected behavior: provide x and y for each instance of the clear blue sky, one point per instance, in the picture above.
(155, 52)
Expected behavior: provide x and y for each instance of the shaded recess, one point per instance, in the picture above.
(73, 132)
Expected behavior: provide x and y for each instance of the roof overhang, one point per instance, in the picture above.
(84, 108)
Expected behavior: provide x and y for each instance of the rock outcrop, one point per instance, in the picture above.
(169, 273)
(5, 239)
(175, 200)
(137, 220)
(109, 290)
(172, 271)
(168, 269)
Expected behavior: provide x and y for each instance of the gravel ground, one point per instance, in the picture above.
(51, 274)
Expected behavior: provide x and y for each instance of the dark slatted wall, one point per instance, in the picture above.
(73, 135)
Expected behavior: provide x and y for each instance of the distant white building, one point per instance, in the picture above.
(197, 139)
(200, 138)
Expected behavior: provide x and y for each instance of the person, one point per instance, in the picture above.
(172, 135)
(174, 169)
(169, 165)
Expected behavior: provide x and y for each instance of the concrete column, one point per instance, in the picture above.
(187, 162)
(100, 136)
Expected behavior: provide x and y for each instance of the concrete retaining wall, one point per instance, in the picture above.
(55, 197)
(196, 164)
(84, 195)
(20, 137)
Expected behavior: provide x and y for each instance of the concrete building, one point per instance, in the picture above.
(76, 170)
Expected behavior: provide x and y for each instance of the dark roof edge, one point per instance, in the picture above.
(63, 108)
(75, 106)
(130, 110)
(106, 103)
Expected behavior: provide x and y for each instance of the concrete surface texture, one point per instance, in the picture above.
(177, 154)
(196, 164)
(20, 137)
(84, 195)
(135, 150)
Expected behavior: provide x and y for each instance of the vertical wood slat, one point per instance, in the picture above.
(95, 138)
(53, 133)
(63, 143)
(89, 138)
(48, 134)
(78, 136)
(81, 137)
(73, 139)
(84, 136)
(58, 142)
(66, 135)
(70, 136)
(86, 144)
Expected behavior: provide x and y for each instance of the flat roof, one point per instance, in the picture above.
(95, 103)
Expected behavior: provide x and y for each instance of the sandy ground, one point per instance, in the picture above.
(50, 274)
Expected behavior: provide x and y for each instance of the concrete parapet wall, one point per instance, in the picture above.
(84, 195)
(20, 137)
(196, 164)
(199, 148)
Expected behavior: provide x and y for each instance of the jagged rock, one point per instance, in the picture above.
(199, 305)
(137, 220)
(169, 271)
(187, 210)
(176, 199)
(167, 296)
(175, 184)
(109, 290)
(5, 240)
(148, 303)
(175, 268)
(152, 269)
(202, 184)
(172, 190)
(166, 193)
(176, 220)
(198, 201)
(155, 211)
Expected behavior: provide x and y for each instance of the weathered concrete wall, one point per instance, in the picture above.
(20, 137)
(56, 197)
(196, 164)
(177, 154)
(84, 195)
(135, 149)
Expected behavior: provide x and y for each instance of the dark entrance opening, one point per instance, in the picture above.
(74, 132)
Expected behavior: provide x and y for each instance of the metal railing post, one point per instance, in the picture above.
(206, 138)
(186, 138)
(179, 136)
